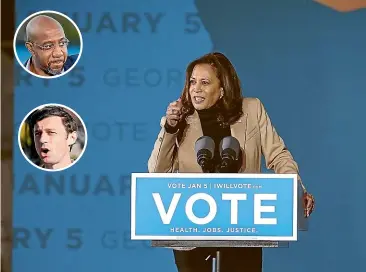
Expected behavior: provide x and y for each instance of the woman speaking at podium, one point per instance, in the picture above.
(212, 105)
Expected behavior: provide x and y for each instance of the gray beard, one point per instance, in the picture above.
(48, 70)
(51, 72)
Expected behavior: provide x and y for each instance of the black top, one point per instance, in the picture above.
(211, 127)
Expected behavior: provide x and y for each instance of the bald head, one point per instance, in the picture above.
(42, 26)
(47, 44)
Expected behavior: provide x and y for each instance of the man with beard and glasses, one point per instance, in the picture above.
(47, 44)
(54, 132)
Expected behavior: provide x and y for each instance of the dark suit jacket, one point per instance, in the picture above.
(70, 61)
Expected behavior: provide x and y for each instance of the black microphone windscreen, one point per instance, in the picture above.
(232, 143)
(205, 142)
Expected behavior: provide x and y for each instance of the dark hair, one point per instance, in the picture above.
(230, 106)
(68, 121)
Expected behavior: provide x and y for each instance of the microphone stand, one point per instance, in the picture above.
(205, 147)
(216, 261)
(208, 167)
(226, 167)
(216, 258)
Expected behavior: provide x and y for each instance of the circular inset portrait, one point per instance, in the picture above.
(52, 137)
(48, 44)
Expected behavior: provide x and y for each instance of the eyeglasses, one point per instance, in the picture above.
(51, 46)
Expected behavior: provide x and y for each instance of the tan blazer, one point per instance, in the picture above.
(253, 130)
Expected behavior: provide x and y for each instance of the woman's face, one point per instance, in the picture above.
(204, 88)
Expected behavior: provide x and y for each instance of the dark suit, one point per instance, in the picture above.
(70, 61)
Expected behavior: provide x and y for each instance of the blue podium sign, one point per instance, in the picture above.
(182, 206)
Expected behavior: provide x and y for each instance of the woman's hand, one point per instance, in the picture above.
(174, 113)
(308, 203)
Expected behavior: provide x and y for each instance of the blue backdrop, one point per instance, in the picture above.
(305, 61)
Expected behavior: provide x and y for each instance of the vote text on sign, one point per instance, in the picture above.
(182, 206)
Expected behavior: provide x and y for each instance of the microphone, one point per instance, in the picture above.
(229, 152)
(205, 148)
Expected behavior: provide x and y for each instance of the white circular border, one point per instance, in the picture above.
(39, 13)
(82, 151)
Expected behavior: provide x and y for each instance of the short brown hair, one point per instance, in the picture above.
(68, 121)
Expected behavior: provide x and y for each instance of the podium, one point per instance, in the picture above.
(183, 211)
